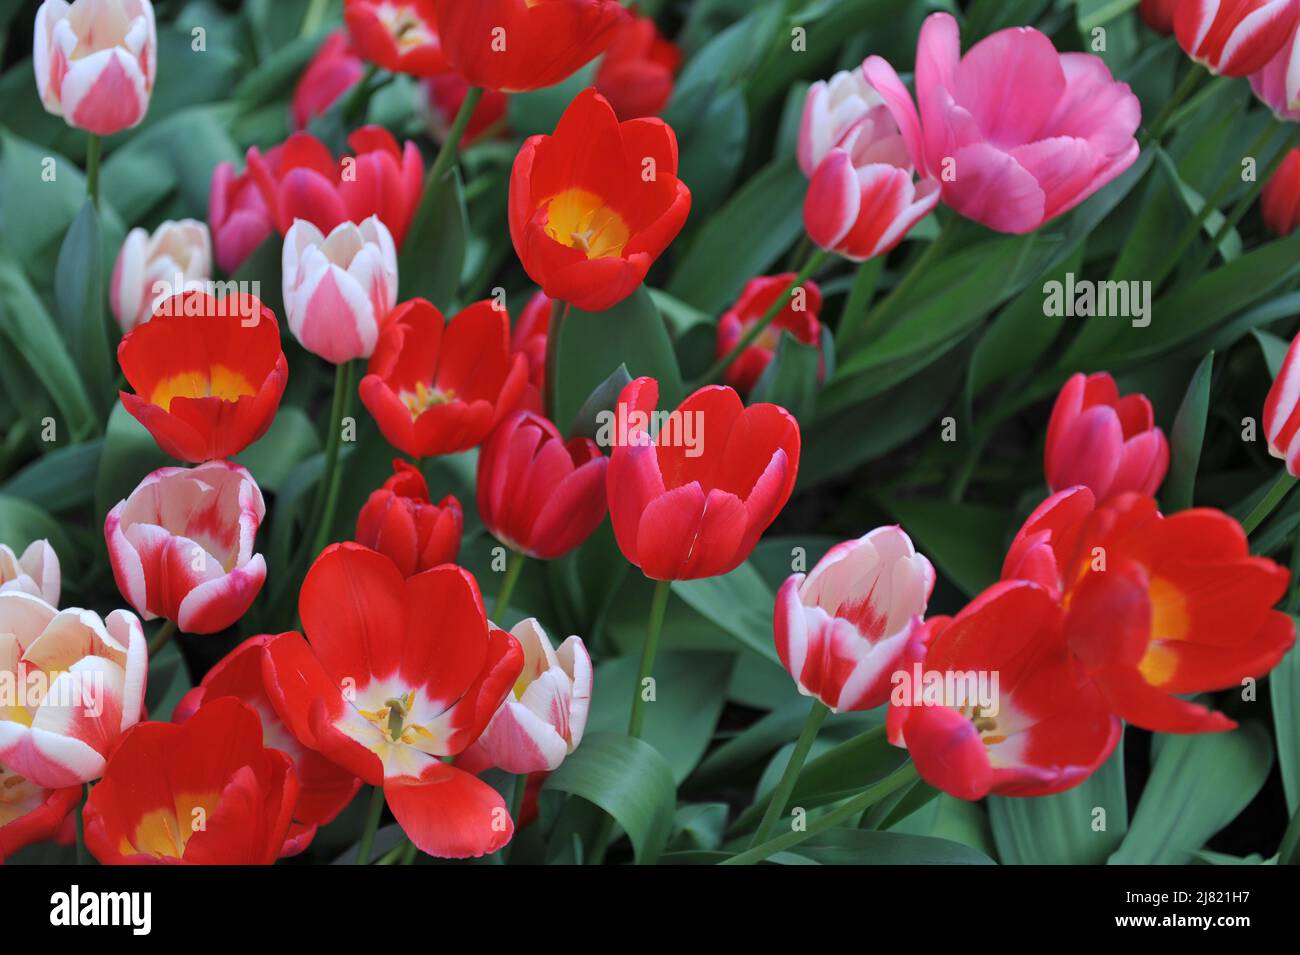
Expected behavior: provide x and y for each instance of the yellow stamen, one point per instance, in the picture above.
(579, 219)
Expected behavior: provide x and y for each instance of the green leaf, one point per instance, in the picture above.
(272, 458)
(1274, 350)
(22, 522)
(841, 846)
(433, 253)
(603, 398)
(61, 481)
(130, 453)
(790, 379)
(79, 304)
(1230, 246)
(739, 602)
(1186, 439)
(628, 779)
(965, 541)
(1284, 689)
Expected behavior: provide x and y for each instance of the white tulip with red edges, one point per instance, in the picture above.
(181, 545)
(80, 685)
(843, 630)
(1282, 411)
(36, 572)
(542, 720)
(150, 269)
(96, 61)
(339, 288)
(832, 110)
(1234, 37)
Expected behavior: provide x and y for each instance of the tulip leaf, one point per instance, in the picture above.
(1274, 350)
(603, 398)
(272, 458)
(61, 481)
(844, 846)
(1284, 690)
(965, 541)
(22, 522)
(79, 299)
(433, 253)
(129, 454)
(740, 603)
(1186, 439)
(790, 379)
(628, 779)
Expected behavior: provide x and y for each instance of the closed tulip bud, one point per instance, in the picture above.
(798, 317)
(844, 629)
(400, 522)
(96, 61)
(30, 813)
(1279, 203)
(176, 258)
(181, 545)
(1234, 37)
(401, 37)
(36, 572)
(1102, 441)
(1282, 411)
(333, 71)
(1159, 14)
(238, 216)
(80, 685)
(338, 289)
(529, 339)
(636, 72)
(543, 718)
(832, 111)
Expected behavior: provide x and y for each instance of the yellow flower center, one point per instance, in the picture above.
(392, 719)
(216, 382)
(166, 832)
(425, 397)
(577, 218)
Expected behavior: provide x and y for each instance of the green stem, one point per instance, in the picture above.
(447, 154)
(781, 795)
(915, 273)
(1281, 487)
(895, 781)
(392, 856)
(359, 95)
(163, 637)
(720, 366)
(409, 853)
(1116, 8)
(550, 375)
(658, 605)
(94, 148)
(514, 564)
(1288, 852)
(516, 806)
(327, 496)
(373, 815)
(1194, 77)
(83, 855)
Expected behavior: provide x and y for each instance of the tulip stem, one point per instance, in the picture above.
(514, 565)
(915, 272)
(895, 781)
(516, 807)
(447, 154)
(1195, 76)
(83, 856)
(658, 605)
(94, 147)
(1281, 487)
(163, 637)
(327, 496)
(373, 815)
(781, 795)
(359, 96)
(409, 853)
(550, 375)
(719, 367)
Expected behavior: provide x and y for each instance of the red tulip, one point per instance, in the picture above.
(1282, 411)
(529, 339)
(206, 792)
(1047, 728)
(588, 229)
(517, 45)
(1159, 14)
(399, 35)
(399, 521)
(208, 374)
(1107, 443)
(444, 94)
(636, 74)
(438, 387)
(1159, 607)
(237, 215)
(300, 179)
(693, 501)
(394, 675)
(537, 493)
(1234, 37)
(30, 814)
(1280, 201)
(324, 788)
(798, 317)
(333, 71)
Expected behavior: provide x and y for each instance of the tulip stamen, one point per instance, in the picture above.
(425, 397)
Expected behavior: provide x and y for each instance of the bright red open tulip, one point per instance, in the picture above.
(693, 500)
(396, 673)
(517, 45)
(636, 73)
(205, 792)
(537, 493)
(439, 387)
(1279, 203)
(333, 71)
(798, 317)
(208, 374)
(30, 814)
(400, 522)
(399, 35)
(324, 788)
(1234, 37)
(1282, 411)
(593, 206)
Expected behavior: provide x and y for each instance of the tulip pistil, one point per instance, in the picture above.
(425, 397)
(580, 220)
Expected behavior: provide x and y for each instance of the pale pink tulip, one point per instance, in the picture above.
(832, 110)
(36, 572)
(150, 269)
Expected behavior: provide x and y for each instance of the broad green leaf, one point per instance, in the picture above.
(965, 541)
(1284, 690)
(272, 458)
(130, 453)
(22, 522)
(433, 253)
(739, 602)
(603, 399)
(841, 846)
(1185, 440)
(790, 379)
(61, 481)
(79, 293)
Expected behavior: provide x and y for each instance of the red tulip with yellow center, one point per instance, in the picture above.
(30, 813)
(402, 37)
(593, 206)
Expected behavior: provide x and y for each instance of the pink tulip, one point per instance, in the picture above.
(339, 288)
(831, 112)
(1278, 84)
(1016, 132)
(150, 269)
(181, 545)
(36, 572)
(80, 683)
(1107, 443)
(844, 630)
(1234, 37)
(1282, 411)
(95, 62)
(333, 71)
(238, 215)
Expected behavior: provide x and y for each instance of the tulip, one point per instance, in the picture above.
(333, 71)
(205, 792)
(30, 814)
(693, 501)
(542, 718)
(1047, 729)
(537, 493)
(181, 545)
(1107, 443)
(299, 179)
(843, 630)
(208, 374)
(1159, 607)
(80, 685)
(444, 94)
(96, 61)
(395, 674)
(1281, 412)
(588, 232)
(798, 317)
(324, 789)
(1280, 201)
(529, 339)
(36, 572)
(401, 37)
(1159, 14)
(437, 387)
(399, 521)
(636, 73)
(339, 288)
(1278, 84)
(1234, 37)
(832, 112)
(1016, 133)
(238, 216)
(176, 258)
(518, 45)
